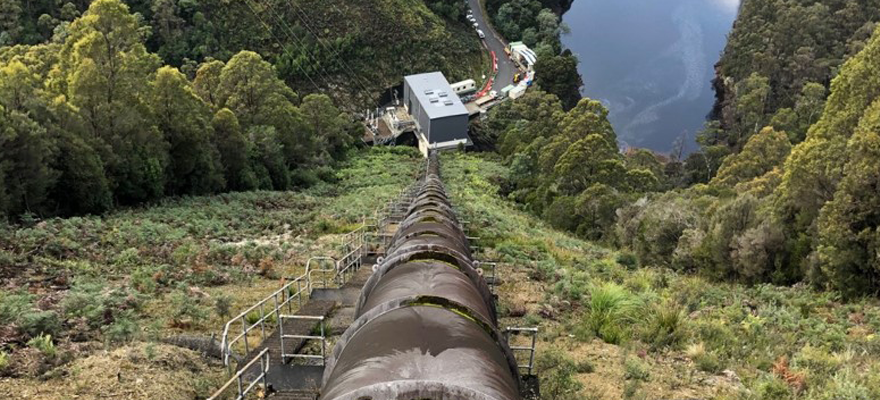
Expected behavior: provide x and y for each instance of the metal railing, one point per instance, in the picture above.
(310, 283)
(533, 332)
(490, 273)
(323, 338)
(237, 380)
(263, 315)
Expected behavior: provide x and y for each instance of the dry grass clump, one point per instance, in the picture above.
(139, 371)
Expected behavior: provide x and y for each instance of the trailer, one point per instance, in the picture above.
(464, 87)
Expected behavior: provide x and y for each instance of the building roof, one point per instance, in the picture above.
(435, 95)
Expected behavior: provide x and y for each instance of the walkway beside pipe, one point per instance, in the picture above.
(425, 323)
(411, 316)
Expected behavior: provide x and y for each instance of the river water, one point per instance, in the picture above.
(651, 62)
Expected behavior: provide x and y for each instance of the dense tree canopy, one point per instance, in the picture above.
(559, 159)
(95, 121)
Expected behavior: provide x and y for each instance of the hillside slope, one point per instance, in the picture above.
(610, 329)
(342, 47)
(108, 289)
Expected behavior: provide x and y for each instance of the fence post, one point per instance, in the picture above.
(244, 331)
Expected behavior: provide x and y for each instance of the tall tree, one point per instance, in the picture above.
(234, 151)
(184, 120)
(763, 152)
(250, 88)
(207, 82)
(25, 156)
(559, 75)
(326, 128)
(816, 166)
(849, 225)
(104, 68)
(10, 24)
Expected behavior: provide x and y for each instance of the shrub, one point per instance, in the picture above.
(584, 367)
(123, 329)
(628, 259)
(773, 388)
(704, 360)
(17, 308)
(4, 361)
(126, 260)
(557, 376)
(143, 279)
(635, 369)
(13, 305)
(44, 344)
(186, 310)
(846, 386)
(819, 363)
(612, 309)
(40, 322)
(665, 327)
(223, 305)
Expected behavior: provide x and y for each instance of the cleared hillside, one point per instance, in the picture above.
(612, 329)
(103, 292)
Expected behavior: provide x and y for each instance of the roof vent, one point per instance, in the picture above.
(442, 94)
(429, 92)
(448, 102)
(434, 100)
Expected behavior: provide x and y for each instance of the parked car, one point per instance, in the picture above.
(481, 34)
(476, 25)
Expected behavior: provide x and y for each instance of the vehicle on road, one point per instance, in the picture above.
(481, 34)
(476, 25)
(466, 86)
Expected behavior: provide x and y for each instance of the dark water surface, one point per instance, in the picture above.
(651, 62)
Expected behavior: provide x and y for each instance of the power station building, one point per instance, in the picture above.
(441, 118)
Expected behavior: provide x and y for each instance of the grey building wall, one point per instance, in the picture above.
(441, 128)
(449, 128)
(416, 110)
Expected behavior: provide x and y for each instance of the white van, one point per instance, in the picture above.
(481, 34)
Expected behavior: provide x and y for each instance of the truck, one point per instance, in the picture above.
(487, 98)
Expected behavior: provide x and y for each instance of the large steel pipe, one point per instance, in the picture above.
(425, 323)
(415, 349)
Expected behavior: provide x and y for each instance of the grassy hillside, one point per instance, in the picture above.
(123, 281)
(612, 329)
(109, 288)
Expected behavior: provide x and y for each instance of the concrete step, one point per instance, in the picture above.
(293, 395)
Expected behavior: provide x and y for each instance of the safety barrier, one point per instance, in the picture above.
(490, 273)
(265, 314)
(322, 337)
(237, 380)
(257, 316)
(533, 332)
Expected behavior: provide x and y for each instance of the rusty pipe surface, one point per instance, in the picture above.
(425, 323)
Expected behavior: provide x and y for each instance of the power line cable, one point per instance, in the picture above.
(341, 61)
(271, 32)
(292, 35)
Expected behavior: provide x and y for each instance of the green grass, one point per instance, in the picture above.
(146, 271)
(612, 310)
(605, 293)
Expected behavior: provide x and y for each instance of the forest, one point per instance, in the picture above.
(165, 164)
(96, 121)
(178, 104)
(784, 186)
